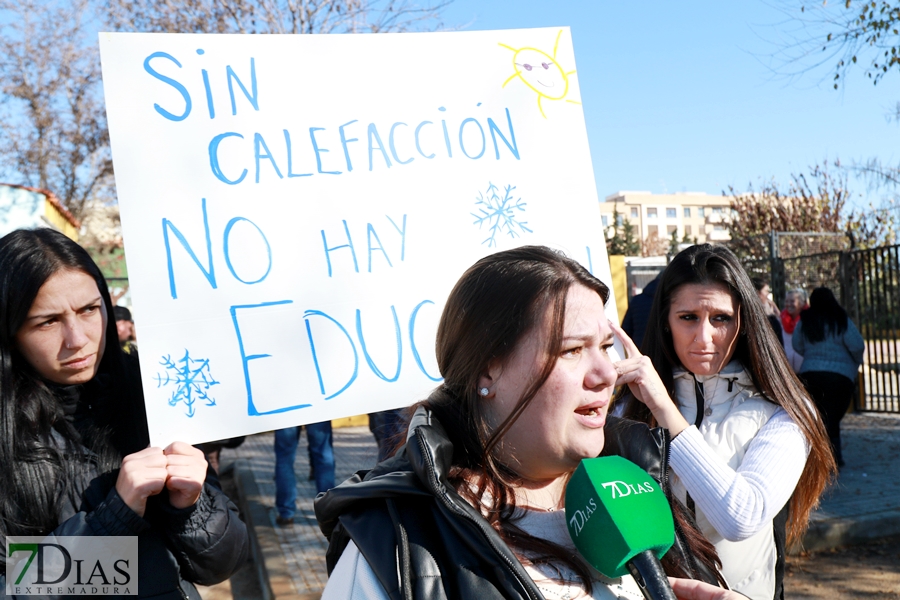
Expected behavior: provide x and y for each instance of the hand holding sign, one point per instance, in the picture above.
(143, 474)
(186, 468)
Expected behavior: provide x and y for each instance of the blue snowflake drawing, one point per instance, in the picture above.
(500, 212)
(191, 378)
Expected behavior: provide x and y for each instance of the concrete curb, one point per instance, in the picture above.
(826, 534)
(271, 567)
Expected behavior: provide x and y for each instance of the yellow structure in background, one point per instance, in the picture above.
(60, 218)
(619, 283)
(355, 421)
(23, 207)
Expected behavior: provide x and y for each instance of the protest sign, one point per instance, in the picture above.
(297, 208)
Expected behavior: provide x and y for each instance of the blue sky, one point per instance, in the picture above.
(681, 96)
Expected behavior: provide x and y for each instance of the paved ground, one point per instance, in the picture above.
(864, 504)
(294, 557)
(865, 501)
(868, 571)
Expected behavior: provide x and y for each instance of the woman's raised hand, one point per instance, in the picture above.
(186, 467)
(637, 371)
(143, 474)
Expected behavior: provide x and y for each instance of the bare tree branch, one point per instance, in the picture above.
(53, 131)
(813, 202)
(275, 16)
(838, 36)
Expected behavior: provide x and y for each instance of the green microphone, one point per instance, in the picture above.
(621, 522)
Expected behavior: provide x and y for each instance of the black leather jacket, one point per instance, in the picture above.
(444, 547)
(204, 543)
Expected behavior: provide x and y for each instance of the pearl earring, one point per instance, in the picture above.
(484, 391)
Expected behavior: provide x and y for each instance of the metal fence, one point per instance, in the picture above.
(867, 283)
(874, 284)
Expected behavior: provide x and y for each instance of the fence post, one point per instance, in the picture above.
(776, 271)
(847, 274)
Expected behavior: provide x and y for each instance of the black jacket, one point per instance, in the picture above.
(205, 543)
(635, 321)
(444, 547)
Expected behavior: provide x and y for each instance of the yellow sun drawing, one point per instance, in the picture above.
(540, 71)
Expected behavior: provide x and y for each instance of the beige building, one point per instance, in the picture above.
(695, 214)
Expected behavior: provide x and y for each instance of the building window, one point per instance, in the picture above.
(718, 228)
(687, 229)
(651, 213)
(652, 230)
(634, 212)
(701, 212)
(619, 220)
(717, 210)
(687, 212)
(670, 229)
(605, 220)
(671, 213)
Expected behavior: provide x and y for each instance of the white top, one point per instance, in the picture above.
(354, 579)
(741, 502)
(740, 466)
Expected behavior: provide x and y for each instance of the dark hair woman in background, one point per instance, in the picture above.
(746, 437)
(832, 350)
(472, 505)
(769, 307)
(73, 431)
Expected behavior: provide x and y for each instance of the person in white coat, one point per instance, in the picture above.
(747, 440)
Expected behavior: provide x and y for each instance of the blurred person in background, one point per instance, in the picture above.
(832, 350)
(125, 329)
(769, 307)
(794, 303)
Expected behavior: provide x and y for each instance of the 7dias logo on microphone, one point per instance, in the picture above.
(620, 489)
(71, 566)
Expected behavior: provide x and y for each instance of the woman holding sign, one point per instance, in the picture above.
(74, 441)
(472, 505)
(749, 451)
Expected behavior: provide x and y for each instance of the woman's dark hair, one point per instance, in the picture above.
(757, 349)
(824, 315)
(759, 283)
(35, 436)
(497, 302)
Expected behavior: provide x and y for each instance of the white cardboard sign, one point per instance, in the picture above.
(297, 208)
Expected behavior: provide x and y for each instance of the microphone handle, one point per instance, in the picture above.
(649, 575)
